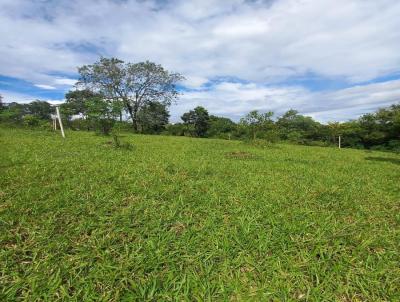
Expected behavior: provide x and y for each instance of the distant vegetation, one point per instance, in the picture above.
(86, 111)
(136, 97)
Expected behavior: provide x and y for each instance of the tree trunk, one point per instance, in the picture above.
(132, 115)
(135, 118)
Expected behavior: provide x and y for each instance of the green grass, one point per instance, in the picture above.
(181, 219)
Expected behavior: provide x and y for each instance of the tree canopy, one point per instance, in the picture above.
(257, 122)
(133, 84)
(197, 121)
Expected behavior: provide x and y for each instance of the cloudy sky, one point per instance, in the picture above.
(330, 59)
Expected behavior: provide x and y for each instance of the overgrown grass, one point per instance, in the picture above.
(195, 220)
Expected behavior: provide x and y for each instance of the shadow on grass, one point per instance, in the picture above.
(395, 161)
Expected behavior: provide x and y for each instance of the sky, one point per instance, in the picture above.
(332, 60)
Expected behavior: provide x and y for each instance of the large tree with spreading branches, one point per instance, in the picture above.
(135, 85)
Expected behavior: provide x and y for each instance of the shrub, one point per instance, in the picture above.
(79, 124)
(118, 143)
(271, 136)
(295, 137)
(394, 145)
(30, 120)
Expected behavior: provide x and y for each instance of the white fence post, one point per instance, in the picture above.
(60, 122)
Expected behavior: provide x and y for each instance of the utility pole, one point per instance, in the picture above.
(60, 122)
(340, 142)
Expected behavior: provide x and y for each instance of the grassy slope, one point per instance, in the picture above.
(177, 218)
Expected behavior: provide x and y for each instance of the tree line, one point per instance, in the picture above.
(136, 97)
(86, 111)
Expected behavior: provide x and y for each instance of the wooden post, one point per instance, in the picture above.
(340, 142)
(60, 122)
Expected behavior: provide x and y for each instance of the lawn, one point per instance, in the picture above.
(185, 219)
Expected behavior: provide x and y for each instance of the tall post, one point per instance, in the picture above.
(340, 142)
(60, 122)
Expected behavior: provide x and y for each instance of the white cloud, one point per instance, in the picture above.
(195, 81)
(261, 42)
(234, 100)
(349, 103)
(354, 39)
(65, 81)
(44, 86)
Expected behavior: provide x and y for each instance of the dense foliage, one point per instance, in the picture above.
(197, 121)
(379, 130)
(88, 110)
(133, 85)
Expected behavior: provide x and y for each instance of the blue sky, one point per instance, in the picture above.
(330, 59)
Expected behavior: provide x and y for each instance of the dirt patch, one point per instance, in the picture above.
(178, 228)
(240, 155)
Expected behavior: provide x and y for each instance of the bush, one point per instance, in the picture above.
(102, 126)
(296, 137)
(30, 120)
(394, 145)
(271, 136)
(79, 124)
(119, 144)
(123, 126)
(378, 148)
(11, 115)
(176, 129)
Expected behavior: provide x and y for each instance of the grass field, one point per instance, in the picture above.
(195, 220)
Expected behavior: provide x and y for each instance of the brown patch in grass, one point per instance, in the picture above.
(246, 269)
(178, 228)
(240, 155)
(129, 199)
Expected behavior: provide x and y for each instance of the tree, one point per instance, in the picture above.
(177, 129)
(388, 120)
(76, 101)
(153, 117)
(40, 109)
(220, 127)
(102, 113)
(197, 121)
(335, 130)
(15, 112)
(31, 120)
(381, 128)
(296, 127)
(257, 122)
(352, 133)
(135, 85)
